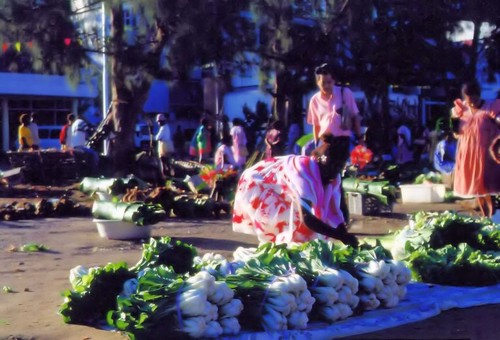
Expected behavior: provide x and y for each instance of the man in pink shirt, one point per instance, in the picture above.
(333, 109)
(327, 106)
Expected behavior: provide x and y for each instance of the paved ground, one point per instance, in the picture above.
(37, 279)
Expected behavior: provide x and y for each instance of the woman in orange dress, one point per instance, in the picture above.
(477, 173)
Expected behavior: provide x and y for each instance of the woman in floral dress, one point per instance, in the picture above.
(293, 198)
(477, 173)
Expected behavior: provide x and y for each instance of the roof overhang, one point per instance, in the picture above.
(28, 84)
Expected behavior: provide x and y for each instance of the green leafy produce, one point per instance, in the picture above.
(429, 177)
(461, 265)
(33, 247)
(95, 294)
(169, 252)
(150, 312)
(436, 230)
(7, 289)
(448, 248)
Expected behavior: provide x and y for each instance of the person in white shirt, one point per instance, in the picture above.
(34, 132)
(78, 137)
(79, 132)
(165, 145)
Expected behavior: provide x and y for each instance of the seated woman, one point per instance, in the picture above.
(293, 198)
(223, 157)
(444, 154)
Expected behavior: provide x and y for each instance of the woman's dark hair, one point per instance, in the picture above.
(24, 118)
(205, 122)
(277, 124)
(471, 88)
(237, 122)
(329, 156)
(227, 140)
(323, 69)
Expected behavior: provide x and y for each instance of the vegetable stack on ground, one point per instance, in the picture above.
(274, 296)
(334, 289)
(450, 249)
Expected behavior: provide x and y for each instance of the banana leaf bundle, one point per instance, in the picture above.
(112, 186)
(189, 206)
(382, 190)
(138, 213)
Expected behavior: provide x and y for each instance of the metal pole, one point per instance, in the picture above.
(5, 125)
(105, 95)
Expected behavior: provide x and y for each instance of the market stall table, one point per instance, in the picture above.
(48, 166)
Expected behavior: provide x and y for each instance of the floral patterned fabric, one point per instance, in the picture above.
(270, 194)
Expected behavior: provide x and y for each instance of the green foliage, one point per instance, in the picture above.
(168, 252)
(461, 265)
(43, 46)
(95, 294)
(33, 247)
(452, 249)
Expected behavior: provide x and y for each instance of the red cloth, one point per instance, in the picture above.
(63, 134)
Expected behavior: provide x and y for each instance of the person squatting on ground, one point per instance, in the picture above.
(24, 133)
(293, 198)
(477, 172)
(403, 153)
(164, 144)
(445, 153)
(333, 109)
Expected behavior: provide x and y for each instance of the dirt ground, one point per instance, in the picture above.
(37, 279)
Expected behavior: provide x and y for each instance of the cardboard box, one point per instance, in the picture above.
(422, 193)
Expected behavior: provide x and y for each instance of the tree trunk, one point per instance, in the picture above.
(126, 100)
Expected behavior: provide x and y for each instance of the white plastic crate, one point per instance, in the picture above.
(355, 203)
(359, 204)
(422, 193)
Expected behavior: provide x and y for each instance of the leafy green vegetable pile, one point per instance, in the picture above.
(429, 177)
(450, 249)
(173, 291)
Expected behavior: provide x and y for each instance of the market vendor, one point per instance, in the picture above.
(293, 198)
(24, 133)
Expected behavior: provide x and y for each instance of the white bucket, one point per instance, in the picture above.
(120, 230)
